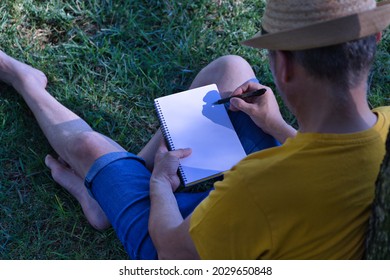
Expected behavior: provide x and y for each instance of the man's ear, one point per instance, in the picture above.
(378, 37)
(284, 66)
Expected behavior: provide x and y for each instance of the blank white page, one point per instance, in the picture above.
(190, 120)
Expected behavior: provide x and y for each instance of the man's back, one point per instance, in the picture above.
(308, 199)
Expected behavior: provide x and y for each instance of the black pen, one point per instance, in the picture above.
(242, 96)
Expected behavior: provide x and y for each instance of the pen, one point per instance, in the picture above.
(242, 96)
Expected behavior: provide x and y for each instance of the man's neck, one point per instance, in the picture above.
(323, 109)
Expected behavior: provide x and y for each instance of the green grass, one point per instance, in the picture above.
(107, 60)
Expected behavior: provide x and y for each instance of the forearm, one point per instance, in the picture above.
(164, 212)
(168, 230)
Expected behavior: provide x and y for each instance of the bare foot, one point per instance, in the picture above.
(74, 184)
(18, 74)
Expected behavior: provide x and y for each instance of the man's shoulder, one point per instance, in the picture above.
(382, 109)
(383, 114)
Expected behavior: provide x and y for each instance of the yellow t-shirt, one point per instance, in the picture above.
(307, 199)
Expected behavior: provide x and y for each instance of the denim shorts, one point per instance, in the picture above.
(120, 183)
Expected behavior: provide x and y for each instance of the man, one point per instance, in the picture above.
(307, 199)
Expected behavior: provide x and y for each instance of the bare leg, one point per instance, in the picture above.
(228, 72)
(69, 135)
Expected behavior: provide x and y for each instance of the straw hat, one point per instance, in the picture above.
(300, 24)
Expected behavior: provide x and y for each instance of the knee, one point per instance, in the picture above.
(228, 72)
(231, 63)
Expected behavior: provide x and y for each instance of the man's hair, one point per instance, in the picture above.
(343, 65)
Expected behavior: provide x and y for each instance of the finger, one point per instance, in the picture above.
(241, 105)
(245, 87)
(181, 153)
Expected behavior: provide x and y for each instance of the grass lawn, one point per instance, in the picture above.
(107, 60)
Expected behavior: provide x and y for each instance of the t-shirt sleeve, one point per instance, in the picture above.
(228, 224)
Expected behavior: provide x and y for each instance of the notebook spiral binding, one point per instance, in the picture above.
(167, 137)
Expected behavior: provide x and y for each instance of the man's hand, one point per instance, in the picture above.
(168, 230)
(166, 164)
(263, 110)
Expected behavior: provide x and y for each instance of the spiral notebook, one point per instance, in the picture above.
(189, 119)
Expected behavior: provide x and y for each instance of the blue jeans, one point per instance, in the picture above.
(120, 183)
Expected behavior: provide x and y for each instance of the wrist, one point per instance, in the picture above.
(159, 185)
(156, 181)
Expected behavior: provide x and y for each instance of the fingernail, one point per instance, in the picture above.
(234, 102)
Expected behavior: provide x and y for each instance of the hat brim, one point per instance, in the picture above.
(326, 33)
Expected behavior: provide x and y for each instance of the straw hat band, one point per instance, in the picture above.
(282, 15)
